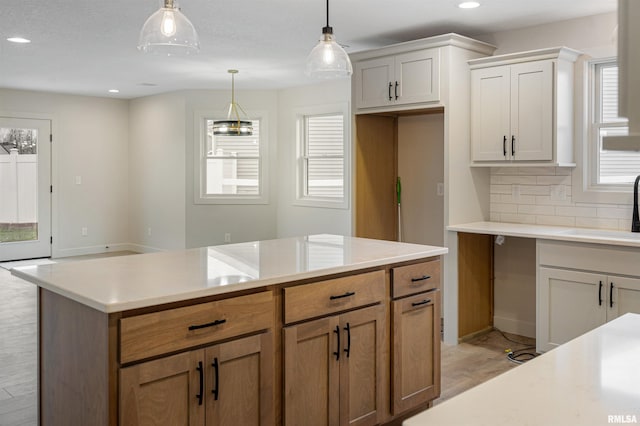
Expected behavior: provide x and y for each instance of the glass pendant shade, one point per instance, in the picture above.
(168, 32)
(328, 59)
(233, 125)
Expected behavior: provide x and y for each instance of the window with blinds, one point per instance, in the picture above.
(323, 157)
(613, 167)
(232, 163)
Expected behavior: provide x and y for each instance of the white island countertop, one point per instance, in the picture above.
(560, 233)
(122, 283)
(582, 382)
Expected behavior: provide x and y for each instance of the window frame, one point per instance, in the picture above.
(301, 115)
(200, 154)
(586, 188)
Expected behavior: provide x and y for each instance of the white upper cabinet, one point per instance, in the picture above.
(522, 108)
(407, 78)
(413, 75)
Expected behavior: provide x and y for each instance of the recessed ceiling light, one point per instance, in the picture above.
(114, 91)
(469, 5)
(18, 40)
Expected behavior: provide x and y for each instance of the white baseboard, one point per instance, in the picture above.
(515, 326)
(107, 248)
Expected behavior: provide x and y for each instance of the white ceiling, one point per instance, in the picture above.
(89, 46)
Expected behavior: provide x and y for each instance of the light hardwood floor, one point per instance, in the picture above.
(463, 366)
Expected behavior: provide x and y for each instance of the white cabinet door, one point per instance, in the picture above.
(623, 296)
(570, 303)
(490, 133)
(532, 111)
(375, 82)
(417, 77)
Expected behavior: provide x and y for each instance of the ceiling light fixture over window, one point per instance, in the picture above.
(469, 5)
(328, 59)
(168, 32)
(234, 125)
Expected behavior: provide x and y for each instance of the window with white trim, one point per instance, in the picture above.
(231, 169)
(609, 169)
(322, 162)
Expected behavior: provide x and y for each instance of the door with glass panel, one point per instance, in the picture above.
(25, 194)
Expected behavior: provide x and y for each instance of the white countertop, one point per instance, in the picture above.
(583, 235)
(579, 383)
(121, 283)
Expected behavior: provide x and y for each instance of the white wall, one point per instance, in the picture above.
(157, 146)
(91, 141)
(299, 220)
(206, 224)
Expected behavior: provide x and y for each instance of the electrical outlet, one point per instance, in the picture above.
(149, 231)
(78, 180)
(227, 237)
(440, 189)
(85, 231)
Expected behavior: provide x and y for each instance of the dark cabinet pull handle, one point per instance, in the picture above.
(513, 145)
(209, 324)
(347, 294)
(337, 352)
(390, 86)
(422, 278)
(348, 350)
(201, 373)
(611, 296)
(216, 379)
(600, 294)
(424, 302)
(504, 146)
(396, 90)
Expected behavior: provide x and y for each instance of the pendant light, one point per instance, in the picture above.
(328, 59)
(168, 32)
(234, 125)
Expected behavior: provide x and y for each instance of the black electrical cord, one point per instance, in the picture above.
(521, 355)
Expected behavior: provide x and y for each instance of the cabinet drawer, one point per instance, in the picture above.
(326, 297)
(148, 335)
(416, 278)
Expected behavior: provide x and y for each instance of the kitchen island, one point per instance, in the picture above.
(324, 327)
(591, 380)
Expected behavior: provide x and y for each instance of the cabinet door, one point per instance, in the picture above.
(164, 392)
(312, 373)
(415, 360)
(490, 133)
(417, 77)
(532, 110)
(623, 296)
(240, 382)
(374, 82)
(570, 303)
(361, 366)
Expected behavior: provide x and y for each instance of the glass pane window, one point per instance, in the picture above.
(232, 163)
(323, 157)
(613, 167)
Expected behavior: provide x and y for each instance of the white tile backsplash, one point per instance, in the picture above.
(538, 201)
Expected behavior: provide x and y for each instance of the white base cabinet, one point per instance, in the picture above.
(582, 286)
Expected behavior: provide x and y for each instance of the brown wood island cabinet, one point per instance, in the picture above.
(354, 345)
